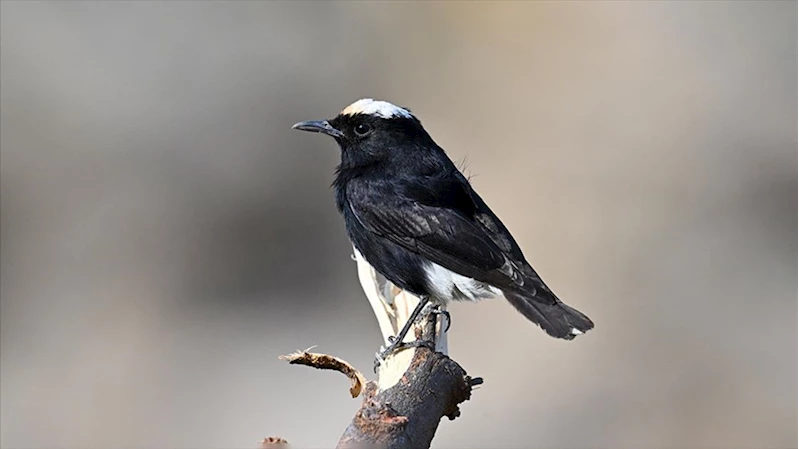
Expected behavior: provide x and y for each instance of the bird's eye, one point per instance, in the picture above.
(362, 129)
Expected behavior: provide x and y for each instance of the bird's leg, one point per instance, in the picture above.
(444, 313)
(396, 342)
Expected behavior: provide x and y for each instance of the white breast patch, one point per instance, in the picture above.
(446, 285)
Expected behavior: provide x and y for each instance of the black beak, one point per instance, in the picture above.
(318, 126)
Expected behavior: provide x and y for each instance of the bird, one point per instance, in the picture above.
(416, 219)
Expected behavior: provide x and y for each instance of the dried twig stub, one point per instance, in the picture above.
(324, 361)
(269, 441)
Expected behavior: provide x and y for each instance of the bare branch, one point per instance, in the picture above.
(407, 414)
(416, 386)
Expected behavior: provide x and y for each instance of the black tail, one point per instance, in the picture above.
(557, 319)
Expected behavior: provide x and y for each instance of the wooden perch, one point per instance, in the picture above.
(407, 414)
(416, 387)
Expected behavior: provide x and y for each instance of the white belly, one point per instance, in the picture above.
(446, 285)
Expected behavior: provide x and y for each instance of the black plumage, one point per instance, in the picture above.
(415, 218)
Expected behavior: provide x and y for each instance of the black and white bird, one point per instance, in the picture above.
(415, 218)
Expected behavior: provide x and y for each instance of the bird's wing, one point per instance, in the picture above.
(443, 235)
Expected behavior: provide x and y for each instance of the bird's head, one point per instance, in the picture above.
(370, 131)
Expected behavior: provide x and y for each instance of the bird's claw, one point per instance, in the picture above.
(444, 313)
(396, 346)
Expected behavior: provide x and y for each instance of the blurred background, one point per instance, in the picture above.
(166, 235)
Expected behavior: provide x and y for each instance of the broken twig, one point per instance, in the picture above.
(324, 361)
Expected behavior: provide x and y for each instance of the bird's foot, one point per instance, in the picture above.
(397, 345)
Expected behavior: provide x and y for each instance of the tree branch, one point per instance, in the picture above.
(407, 414)
(416, 387)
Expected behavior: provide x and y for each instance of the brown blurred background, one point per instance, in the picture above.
(166, 235)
